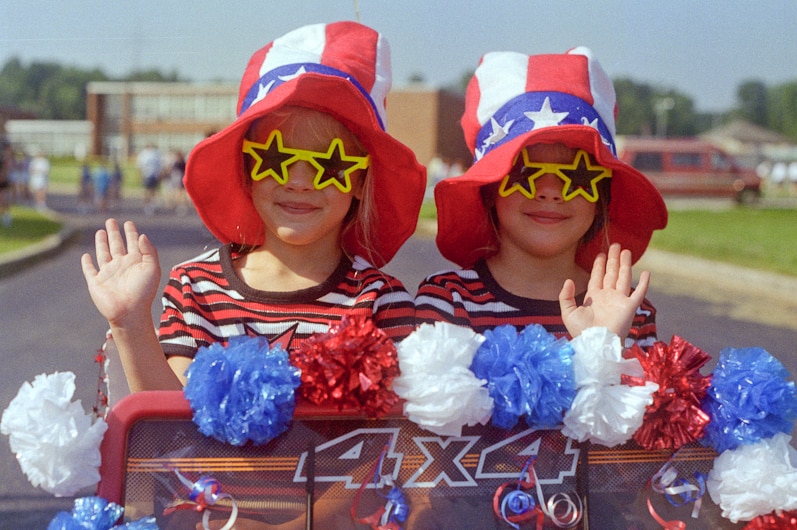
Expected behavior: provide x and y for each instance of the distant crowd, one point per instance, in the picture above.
(25, 180)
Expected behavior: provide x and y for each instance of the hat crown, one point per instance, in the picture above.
(512, 93)
(347, 50)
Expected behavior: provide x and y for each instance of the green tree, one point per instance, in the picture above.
(152, 75)
(12, 82)
(49, 90)
(635, 104)
(782, 109)
(751, 97)
(638, 114)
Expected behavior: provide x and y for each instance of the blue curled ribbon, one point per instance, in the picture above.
(206, 492)
(521, 504)
(396, 509)
(680, 491)
(563, 510)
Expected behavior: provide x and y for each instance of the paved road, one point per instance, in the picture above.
(49, 324)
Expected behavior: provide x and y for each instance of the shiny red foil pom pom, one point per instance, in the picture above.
(352, 366)
(778, 520)
(675, 417)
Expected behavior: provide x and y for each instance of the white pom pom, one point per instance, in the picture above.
(56, 443)
(755, 479)
(605, 411)
(608, 415)
(598, 358)
(441, 392)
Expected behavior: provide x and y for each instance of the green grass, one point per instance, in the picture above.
(750, 237)
(28, 227)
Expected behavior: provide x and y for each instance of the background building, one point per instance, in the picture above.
(52, 137)
(171, 116)
(176, 116)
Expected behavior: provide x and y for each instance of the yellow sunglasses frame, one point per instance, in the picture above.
(357, 162)
(545, 168)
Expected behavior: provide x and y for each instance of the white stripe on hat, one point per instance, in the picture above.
(304, 45)
(512, 69)
(383, 78)
(601, 88)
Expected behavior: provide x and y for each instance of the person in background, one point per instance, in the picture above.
(177, 199)
(85, 197)
(149, 166)
(102, 184)
(39, 179)
(117, 180)
(6, 163)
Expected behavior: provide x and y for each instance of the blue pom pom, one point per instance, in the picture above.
(96, 513)
(749, 399)
(242, 392)
(528, 373)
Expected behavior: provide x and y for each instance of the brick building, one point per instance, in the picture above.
(128, 116)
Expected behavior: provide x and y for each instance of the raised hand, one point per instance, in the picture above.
(609, 301)
(125, 281)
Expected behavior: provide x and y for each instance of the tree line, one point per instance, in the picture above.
(49, 90)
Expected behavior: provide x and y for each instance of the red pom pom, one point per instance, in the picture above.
(774, 521)
(675, 417)
(352, 366)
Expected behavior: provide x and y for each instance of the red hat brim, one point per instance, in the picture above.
(217, 185)
(465, 233)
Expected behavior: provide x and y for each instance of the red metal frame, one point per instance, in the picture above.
(167, 405)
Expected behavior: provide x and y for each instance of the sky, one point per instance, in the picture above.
(702, 48)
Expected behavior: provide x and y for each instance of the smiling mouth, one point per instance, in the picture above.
(297, 207)
(546, 217)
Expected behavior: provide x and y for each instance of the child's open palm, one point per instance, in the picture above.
(609, 301)
(126, 282)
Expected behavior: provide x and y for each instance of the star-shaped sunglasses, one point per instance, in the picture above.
(333, 167)
(580, 178)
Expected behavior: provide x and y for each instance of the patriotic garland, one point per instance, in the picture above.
(744, 410)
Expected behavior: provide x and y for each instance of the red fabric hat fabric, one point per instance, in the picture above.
(342, 69)
(514, 100)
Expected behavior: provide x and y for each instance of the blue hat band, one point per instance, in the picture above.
(282, 74)
(538, 110)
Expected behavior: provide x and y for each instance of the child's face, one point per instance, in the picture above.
(546, 225)
(300, 202)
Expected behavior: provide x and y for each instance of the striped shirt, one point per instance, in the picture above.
(471, 297)
(206, 302)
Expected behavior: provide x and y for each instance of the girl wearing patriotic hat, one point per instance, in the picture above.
(539, 220)
(308, 194)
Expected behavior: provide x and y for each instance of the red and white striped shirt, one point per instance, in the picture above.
(205, 302)
(472, 298)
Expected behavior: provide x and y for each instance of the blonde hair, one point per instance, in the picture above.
(361, 217)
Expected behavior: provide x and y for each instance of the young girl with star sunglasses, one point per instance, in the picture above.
(308, 194)
(547, 222)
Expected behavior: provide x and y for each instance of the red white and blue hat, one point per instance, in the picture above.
(514, 100)
(342, 69)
